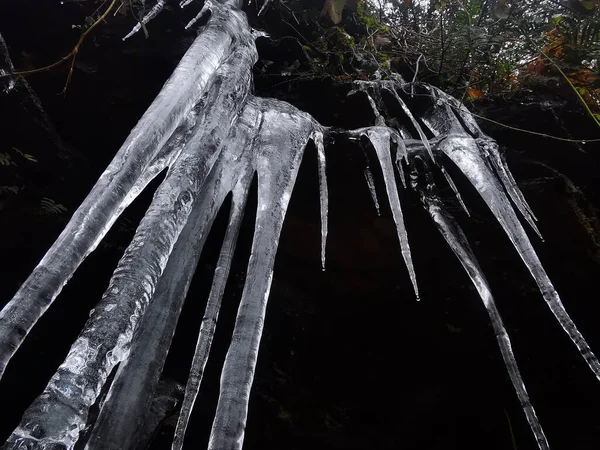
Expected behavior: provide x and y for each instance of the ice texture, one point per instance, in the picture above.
(105, 339)
(283, 137)
(92, 220)
(212, 136)
(464, 152)
(380, 139)
(323, 191)
(456, 239)
(154, 11)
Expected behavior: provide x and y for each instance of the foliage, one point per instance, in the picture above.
(475, 48)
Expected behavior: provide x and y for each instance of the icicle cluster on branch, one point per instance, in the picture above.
(214, 137)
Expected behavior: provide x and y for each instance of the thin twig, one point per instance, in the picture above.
(72, 54)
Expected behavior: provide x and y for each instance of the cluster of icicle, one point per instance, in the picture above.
(213, 137)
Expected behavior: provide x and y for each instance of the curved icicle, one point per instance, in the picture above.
(99, 210)
(380, 138)
(213, 305)
(323, 191)
(457, 241)
(464, 153)
(280, 147)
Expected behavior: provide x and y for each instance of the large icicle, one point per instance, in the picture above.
(323, 190)
(105, 339)
(213, 305)
(98, 211)
(457, 241)
(465, 154)
(380, 138)
(130, 395)
(282, 140)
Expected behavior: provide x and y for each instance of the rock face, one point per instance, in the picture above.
(319, 383)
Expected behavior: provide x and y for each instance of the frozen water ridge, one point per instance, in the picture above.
(213, 137)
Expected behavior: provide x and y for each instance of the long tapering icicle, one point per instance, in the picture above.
(380, 138)
(457, 241)
(105, 339)
(490, 148)
(213, 305)
(450, 182)
(98, 211)
(130, 396)
(413, 120)
(465, 154)
(282, 140)
(323, 192)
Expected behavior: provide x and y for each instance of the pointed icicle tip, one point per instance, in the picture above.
(323, 191)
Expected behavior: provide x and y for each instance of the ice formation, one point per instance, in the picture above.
(213, 137)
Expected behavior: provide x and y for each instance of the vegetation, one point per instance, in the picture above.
(478, 48)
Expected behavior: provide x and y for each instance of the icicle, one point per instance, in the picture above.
(465, 154)
(282, 140)
(208, 6)
(213, 305)
(323, 192)
(400, 155)
(490, 148)
(380, 138)
(371, 185)
(128, 402)
(156, 9)
(379, 120)
(459, 110)
(98, 211)
(105, 339)
(184, 3)
(413, 120)
(457, 241)
(264, 7)
(6, 67)
(455, 190)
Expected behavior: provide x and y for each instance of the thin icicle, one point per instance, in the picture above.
(380, 138)
(98, 211)
(213, 305)
(490, 148)
(465, 154)
(6, 67)
(264, 7)
(282, 140)
(413, 120)
(455, 190)
(457, 241)
(154, 11)
(371, 185)
(401, 154)
(323, 192)
(184, 3)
